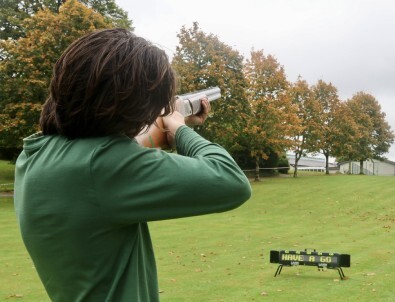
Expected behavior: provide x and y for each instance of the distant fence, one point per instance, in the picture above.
(276, 168)
(312, 169)
(356, 169)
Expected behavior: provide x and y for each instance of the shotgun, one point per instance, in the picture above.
(187, 104)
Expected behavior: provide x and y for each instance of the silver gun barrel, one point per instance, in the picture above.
(189, 103)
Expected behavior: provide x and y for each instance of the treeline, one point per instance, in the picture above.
(34, 34)
(260, 116)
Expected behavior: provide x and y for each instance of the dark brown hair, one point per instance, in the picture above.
(108, 82)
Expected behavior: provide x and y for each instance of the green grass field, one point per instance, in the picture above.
(6, 176)
(225, 257)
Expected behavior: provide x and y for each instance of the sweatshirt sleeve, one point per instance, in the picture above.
(137, 184)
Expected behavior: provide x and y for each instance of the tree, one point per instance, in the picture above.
(272, 120)
(17, 121)
(111, 11)
(203, 61)
(308, 113)
(345, 133)
(326, 95)
(26, 71)
(14, 12)
(374, 133)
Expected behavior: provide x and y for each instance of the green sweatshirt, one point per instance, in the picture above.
(83, 207)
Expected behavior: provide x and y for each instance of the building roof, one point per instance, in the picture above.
(308, 161)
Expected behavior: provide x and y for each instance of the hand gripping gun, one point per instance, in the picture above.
(187, 104)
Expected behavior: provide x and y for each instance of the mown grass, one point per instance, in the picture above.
(6, 176)
(225, 257)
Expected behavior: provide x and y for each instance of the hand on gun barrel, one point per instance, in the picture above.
(191, 109)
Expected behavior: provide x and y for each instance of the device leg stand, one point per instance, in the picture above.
(278, 271)
(341, 273)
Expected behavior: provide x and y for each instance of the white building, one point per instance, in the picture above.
(310, 163)
(370, 167)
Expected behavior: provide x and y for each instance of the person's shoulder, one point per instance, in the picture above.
(92, 142)
(109, 143)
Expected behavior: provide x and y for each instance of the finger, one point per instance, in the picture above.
(206, 106)
(208, 110)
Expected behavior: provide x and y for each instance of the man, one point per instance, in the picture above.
(85, 189)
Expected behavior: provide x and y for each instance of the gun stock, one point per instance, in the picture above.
(187, 104)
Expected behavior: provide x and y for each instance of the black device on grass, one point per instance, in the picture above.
(310, 258)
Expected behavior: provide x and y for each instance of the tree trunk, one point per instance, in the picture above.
(361, 167)
(257, 169)
(349, 167)
(59, 4)
(297, 157)
(327, 163)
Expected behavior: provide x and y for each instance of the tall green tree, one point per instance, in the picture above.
(374, 133)
(272, 120)
(111, 12)
(308, 109)
(14, 12)
(203, 61)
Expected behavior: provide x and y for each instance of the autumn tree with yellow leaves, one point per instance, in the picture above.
(307, 110)
(373, 133)
(272, 120)
(27, 68)
(326, 95)
(26, 65)
(202, 61)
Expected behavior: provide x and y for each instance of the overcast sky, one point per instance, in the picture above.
(350, 43)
